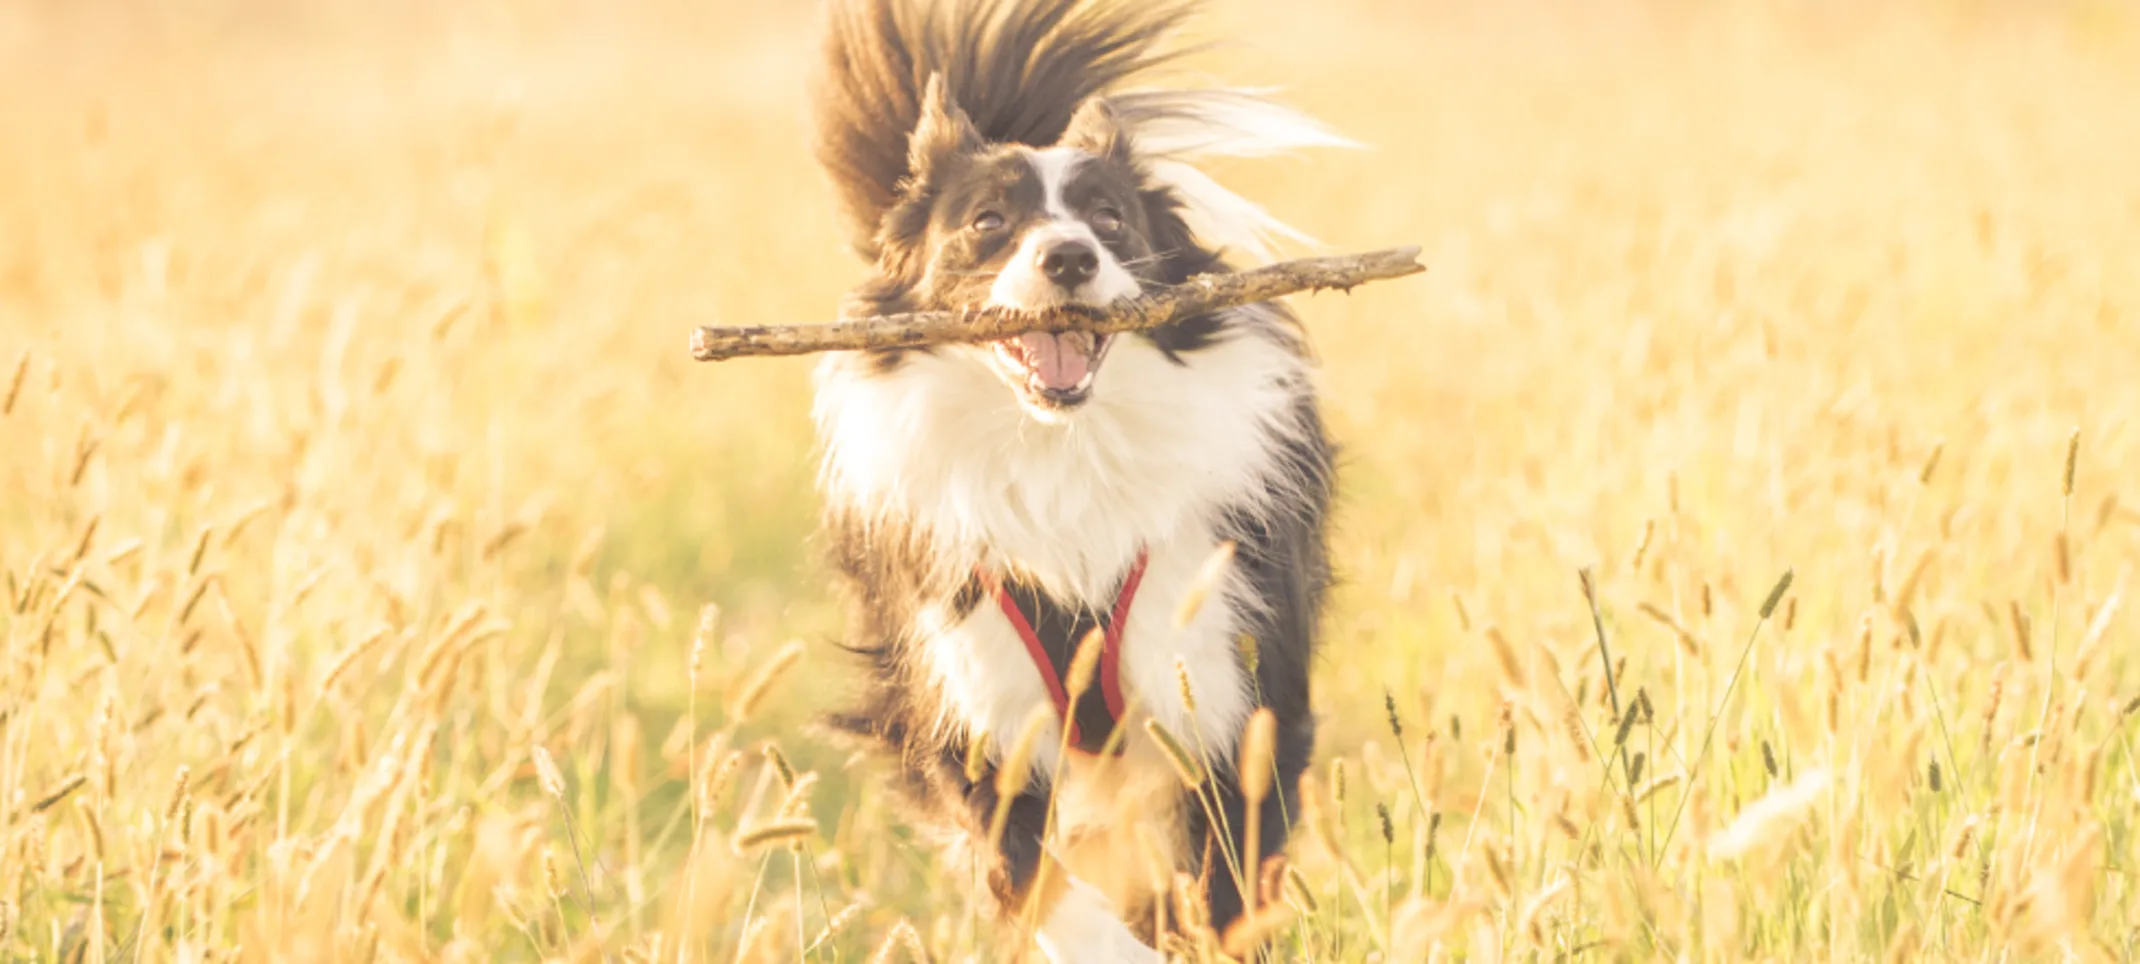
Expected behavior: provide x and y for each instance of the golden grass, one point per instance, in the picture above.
(351, 469)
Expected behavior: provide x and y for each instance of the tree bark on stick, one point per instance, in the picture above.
(1199, 295)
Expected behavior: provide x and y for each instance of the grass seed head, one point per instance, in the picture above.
(14, 384)
(1207, 581)
(1301, 892)
(1497, 868)
(1259, 751)
(1994, 697)
(1658, 785)
(1085, 663)
(1775, 595)
(180, 784)
(709, 619)
(1184, 762)
(797, 802)
(1769, 818)
(200, 550)
(1963, 838)
(348, 658)
(1865, 648)
(1642, 547)
(839, 922)
(1571, 720)
(61, 792)
(1627, 723)
(1662, 618)
(87, 539)
(1017, 766)
(713, 786)
(547, 775)
(779, 762)
(553, 879)
(2073, 455)
(2089, 772)
(758, 684)
(779, 831)
(1505, 654)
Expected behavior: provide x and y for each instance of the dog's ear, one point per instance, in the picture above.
(1096, 130)
(943, 132)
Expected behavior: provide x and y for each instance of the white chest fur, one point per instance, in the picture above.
(990, 685)
(1150, 462)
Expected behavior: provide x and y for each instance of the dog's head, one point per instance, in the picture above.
(984, 224)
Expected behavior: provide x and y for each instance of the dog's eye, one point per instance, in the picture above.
(1107, 219)
(987, 221)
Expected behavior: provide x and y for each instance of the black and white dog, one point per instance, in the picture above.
(990, 506)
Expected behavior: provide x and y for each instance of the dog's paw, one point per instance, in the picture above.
(1084, 929)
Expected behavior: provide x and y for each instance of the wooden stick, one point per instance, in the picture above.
(1198, 295)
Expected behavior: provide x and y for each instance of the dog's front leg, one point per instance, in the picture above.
(1223, 866)
(1076, 923)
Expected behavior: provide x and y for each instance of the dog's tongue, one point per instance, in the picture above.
(1061, 361)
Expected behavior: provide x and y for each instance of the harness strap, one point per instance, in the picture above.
(1117, 624)
(1110, 675)
(1041, 662)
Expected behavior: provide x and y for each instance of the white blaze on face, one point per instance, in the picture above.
(1060, 363)
(1022, 283)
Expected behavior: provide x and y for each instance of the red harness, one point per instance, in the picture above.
(1110, 652)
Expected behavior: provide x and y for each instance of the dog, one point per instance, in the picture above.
(996, 510)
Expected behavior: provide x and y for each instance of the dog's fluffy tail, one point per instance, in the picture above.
(1019, 69)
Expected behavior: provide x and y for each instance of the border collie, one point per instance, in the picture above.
(993, 507)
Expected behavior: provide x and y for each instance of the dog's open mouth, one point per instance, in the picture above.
(1054, 369)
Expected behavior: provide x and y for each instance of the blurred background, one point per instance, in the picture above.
(349, 391)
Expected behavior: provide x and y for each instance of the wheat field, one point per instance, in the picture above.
(384, 583)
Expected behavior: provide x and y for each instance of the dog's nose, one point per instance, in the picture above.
(1070, 263)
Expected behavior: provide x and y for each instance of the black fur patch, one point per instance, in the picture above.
(1285, 558)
